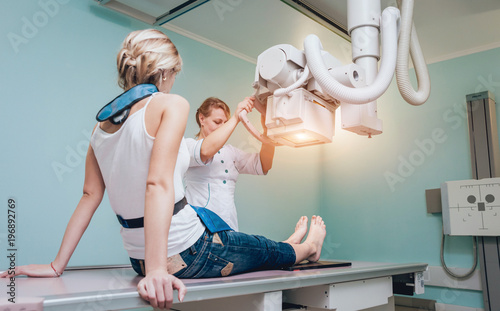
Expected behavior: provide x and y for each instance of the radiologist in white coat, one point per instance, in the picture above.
(211, 178)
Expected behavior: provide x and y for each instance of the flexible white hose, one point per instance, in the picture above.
(300, 81)
(408, 41)
(362, 95)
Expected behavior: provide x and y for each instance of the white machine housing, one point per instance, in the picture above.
(471, 207)
(355, 87)
(302, 119)
(304, 114)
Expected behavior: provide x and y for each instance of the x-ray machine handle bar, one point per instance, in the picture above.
(249, 126)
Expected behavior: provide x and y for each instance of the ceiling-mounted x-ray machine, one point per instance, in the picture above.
(299, 90)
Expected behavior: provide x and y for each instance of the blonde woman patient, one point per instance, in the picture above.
(140, 162)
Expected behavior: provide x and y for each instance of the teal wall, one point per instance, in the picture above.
(58, 69)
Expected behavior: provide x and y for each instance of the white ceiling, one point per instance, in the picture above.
(245, 28)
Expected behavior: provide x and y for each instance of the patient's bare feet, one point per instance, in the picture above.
(316, 236)
(300, 231)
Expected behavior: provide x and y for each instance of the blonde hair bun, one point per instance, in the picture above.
(144, 57)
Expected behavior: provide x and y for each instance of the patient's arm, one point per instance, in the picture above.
(93, 191)
(158, 285)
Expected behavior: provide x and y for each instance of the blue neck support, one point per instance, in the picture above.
(118, 109)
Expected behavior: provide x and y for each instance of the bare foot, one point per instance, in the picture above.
(300, 231)
(316, 236)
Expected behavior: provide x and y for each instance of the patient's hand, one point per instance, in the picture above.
(41, 271)
(158, 287)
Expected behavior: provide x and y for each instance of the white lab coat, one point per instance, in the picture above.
(212, 184)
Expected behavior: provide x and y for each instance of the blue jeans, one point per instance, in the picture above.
(227, 253)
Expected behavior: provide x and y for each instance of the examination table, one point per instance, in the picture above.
(361, 286)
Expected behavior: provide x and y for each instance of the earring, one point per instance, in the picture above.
(164, 78)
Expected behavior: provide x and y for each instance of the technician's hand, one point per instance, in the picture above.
(157, 287)
(40, 271)
(246, 104)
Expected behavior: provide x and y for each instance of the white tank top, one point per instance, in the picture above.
(123, 158)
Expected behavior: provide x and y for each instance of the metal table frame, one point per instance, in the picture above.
(115, 288)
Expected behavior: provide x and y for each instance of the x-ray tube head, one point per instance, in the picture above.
(298, 111)
(279, 66)
(300, 119)
(276, 69)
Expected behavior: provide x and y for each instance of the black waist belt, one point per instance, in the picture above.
(139, 222)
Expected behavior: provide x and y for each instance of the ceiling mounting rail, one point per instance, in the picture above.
(178, 10)
(170, 10)
(319, 16)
